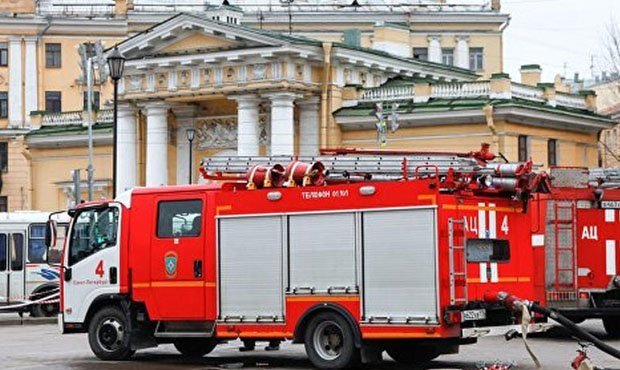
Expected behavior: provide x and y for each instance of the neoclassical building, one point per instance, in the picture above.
(252, 83)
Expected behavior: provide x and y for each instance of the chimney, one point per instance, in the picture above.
(496, 5)
(121, 7)
(576, 77)
(530, 74)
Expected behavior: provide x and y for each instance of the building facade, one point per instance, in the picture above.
(254, 81)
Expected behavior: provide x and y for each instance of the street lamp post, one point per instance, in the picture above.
(116, 64)
(191, 134)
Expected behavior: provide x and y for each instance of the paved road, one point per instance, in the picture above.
(39, 347)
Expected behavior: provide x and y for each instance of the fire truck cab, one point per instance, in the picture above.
(351, 267)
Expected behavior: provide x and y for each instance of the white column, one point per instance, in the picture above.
(15, 83)
(461, 52)
(248, 129)
(309, 126)
(434, 48)
(156, 144)
(31, 95)
(282, 125)
(126, 141)
(185, 120)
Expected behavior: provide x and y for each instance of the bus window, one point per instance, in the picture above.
(3, 252)
(17, 252)
(56, 250)
(36, 243)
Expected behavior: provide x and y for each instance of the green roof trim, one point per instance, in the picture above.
(400, 25)
(496, 76)
(526, 67)
(446, 105)
(69, 130)
(587, 92)
(545, 84)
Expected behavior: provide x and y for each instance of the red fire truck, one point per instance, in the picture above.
(575, 236)
(351, 253)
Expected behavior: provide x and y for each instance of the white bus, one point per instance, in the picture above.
(25, 274)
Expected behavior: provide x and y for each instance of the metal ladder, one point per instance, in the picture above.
(564, 224)
(457, 261)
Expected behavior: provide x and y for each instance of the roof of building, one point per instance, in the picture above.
(444, 105)
(62, 130)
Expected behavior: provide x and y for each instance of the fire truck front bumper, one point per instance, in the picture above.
(489, 331)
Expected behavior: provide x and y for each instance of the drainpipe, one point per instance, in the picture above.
(488, 114)
(325, 111)
(48, 20)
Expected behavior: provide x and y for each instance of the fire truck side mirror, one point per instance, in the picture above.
(50, 234)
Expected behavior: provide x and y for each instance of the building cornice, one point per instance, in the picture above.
(519, 115)
(65, 25)
(68, 141)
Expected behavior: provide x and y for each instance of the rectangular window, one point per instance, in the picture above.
(487, 250)
(4, 54)
(93, 230)
(52, 56)
(420, 53)
(53, 102)
(524, 153)
(447, 56)
(476, 59)
(95, 100)
(179, 218)
(4, 159)
(3, 252)
(4, 104)
(4, 204)
(552, 152)
(17, 252)
(36, 243)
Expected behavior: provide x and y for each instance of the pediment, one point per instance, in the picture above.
(186, 32)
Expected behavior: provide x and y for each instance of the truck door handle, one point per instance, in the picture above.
(198, 268)
(113, 275)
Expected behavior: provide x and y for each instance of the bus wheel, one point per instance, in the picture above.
(44, 310)
(412, 354)
(108, 335)
(195, 347)
(330, 343)
(612, 326)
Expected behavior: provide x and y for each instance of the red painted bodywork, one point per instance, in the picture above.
(186, 298)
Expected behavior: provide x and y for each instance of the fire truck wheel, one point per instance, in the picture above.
(330, 343)
(108, 336)
(412, 354)
(195, 347)
(612, 326)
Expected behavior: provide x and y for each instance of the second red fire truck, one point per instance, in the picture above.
(351, 254)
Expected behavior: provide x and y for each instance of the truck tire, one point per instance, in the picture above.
(411, 354)
(43, 309)
(195, 347)
(612, 326)
(329, 342)
(108, 335)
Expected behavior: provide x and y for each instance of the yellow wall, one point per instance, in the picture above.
(50, 166)
(16, 182)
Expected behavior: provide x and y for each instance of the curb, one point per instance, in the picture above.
(28, 321)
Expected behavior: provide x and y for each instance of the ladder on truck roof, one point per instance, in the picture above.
(604, 177)
(455, 171)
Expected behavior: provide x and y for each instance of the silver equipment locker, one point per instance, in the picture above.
(400, 266)
(251, 275)
(322, 253)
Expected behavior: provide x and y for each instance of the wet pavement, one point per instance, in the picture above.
(40, 347)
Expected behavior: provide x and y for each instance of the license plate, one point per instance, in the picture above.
(473, 315)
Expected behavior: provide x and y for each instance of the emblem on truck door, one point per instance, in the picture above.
(170, 263)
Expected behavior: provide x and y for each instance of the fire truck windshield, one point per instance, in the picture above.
(93, 230)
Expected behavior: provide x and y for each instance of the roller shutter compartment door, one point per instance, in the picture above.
(322, 253)
(251, 256)
(400, 270)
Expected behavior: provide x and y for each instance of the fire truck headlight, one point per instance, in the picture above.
(616, 282)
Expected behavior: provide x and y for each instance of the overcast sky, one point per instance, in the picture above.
(554, 32)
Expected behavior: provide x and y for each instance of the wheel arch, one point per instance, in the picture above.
(51, 285)
(102, 301)
(304, 320)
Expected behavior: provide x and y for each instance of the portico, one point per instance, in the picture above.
(244, 91)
